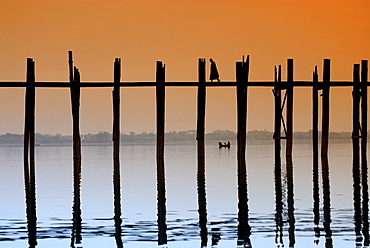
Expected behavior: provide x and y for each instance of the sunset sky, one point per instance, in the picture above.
(177, 33)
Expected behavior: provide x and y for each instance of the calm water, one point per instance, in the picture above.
(147, 221)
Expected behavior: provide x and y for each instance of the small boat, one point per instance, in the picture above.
(227, 145)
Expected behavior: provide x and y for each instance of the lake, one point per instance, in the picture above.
(181, 208)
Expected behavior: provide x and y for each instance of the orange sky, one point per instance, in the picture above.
(177, 33)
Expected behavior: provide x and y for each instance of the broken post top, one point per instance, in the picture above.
(160, 74)
(117, 71)
(201, 70)
(242, 70)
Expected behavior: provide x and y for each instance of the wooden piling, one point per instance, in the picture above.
(161, 186)
(315, 117)
(75, 103)
(277, 120)
(70, 66)
(201, 106)
(116, 155)
(242, 74)
(116, 107)
(201, 179)
(289, 148)
(324, 152)
(315, 152)
(364, 72)
(364, 173)
(160, 96)
(29, 153)
(356, 95)
(325, 108)
(277, 140)
(289, 109)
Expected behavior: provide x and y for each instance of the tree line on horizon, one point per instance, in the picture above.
(104, 137)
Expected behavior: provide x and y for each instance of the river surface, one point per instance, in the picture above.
(179, 208)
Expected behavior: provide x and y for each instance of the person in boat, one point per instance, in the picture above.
(224, 144)
(214, 72)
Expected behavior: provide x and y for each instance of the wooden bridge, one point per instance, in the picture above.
(285, 123)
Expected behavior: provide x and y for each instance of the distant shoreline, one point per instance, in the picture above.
(179, 142)
(171, 138)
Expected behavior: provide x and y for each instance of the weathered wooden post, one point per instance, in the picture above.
(116, 150)
(356, 95)
(277, 139)
(277, 120)
(160, 95)
(364, 174)
(75, 102)
(116, 108)
(325, 108)
(364, 72)
(315, 117)
(324, 151)
(75, 99)
(161, 186)
(29, 153)
(201, 106)
(315, 153)
(289, 109)
(201, 180)
(242, 74)
(289, 148)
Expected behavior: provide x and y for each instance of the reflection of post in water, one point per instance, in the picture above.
(365, 194)
(75, 100)
(290, 188)
(161, 204)
(201, 180)
(116, 142)
(277, 139)
(76, 213)
(315, 148)
(202, 202)
(327, 214)
(117, 203)
(324, 153)
(29, 154)
(278, 204)
(356, 152)
(244, 230)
